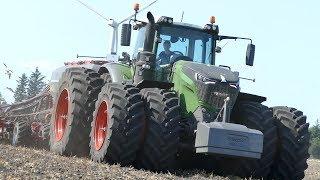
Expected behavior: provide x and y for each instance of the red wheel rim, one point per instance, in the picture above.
(61, 115)
(101, 124)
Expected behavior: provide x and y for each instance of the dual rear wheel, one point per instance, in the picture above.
(72, 112)
(126, 127)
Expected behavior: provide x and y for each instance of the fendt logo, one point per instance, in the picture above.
(220, 94)
(237, 141)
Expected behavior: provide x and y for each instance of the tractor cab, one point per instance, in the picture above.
(176, 42)
(183, 42)
(179, 40)
(168, 42)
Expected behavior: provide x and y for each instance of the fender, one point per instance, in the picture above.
(119, 72)
(250, 97)
(57, 73)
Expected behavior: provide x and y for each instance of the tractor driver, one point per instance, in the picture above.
(164, 56)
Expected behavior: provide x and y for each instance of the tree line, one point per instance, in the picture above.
(315, 140)
(28, 87)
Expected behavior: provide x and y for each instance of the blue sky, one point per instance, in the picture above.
(46, 33)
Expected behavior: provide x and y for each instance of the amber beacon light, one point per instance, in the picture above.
(212, 19)
(136, 7)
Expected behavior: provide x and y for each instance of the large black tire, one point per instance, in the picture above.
(21, 135)
(106, 77)
(159, 151)
(120, 115)
(293, 145)
(255, 116)
(80, 87)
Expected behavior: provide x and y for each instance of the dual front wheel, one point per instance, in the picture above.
(133, 129)
(118, 123)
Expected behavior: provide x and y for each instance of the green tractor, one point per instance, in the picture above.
(170, 107)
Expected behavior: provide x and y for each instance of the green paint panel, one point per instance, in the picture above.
(186, 89)
(126, 71)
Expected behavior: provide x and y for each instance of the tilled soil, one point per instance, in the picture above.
(26, 163)
(313, 171)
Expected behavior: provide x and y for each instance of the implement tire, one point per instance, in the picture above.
(159, 151)
(72, 111)
(117, 128)
(255, 116)
(21, 135)
(293, 145)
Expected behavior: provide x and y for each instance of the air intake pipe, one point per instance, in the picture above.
(149, 34)
(144, 71)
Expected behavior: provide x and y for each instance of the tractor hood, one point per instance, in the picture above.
(213, 73)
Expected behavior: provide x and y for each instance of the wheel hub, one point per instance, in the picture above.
(101, 124)
(61, 115)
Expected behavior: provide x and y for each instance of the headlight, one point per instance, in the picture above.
(200, 77)
(235, 85)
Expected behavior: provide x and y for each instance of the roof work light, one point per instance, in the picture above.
(213, 28)
(165, 20)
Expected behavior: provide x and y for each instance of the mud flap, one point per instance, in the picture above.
(228, 139)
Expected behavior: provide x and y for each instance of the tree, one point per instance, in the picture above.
(2, 100)
(315, 140)
(315, 148)
(315, 130)
(36, 83)
(21, 91)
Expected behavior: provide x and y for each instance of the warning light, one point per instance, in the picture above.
(212, 19)
(136, 7)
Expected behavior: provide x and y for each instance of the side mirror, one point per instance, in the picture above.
(250, 54)
(125, 34)
(218, 49)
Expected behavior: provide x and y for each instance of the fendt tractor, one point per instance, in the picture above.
(167, 107)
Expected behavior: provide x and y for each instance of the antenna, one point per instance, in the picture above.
(182, 16)
(131, 16)
(114, 24)
(91, 9)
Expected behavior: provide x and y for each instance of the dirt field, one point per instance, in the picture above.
(25, 163)
(313, 171)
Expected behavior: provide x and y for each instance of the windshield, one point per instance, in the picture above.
(186, 43)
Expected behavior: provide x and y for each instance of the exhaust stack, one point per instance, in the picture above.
(146, 60)
(150, 32)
